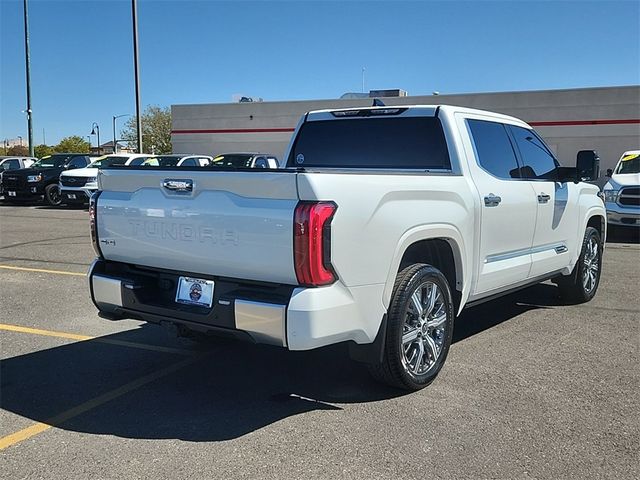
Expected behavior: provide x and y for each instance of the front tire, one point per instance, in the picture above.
(582, 284)
(52, 195)
(419, 329)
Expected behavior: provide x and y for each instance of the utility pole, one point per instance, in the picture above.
(134, 16)
(28, 68)
(362, 79)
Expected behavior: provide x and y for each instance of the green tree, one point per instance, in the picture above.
(156, 130)
(42, 150)
(73, 144)
(18, 151)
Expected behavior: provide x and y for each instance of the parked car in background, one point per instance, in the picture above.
(14, 163)
(622, 192)
(246, 160)
(385, 224)
(76, 186)
(40, 181)
(178, 161)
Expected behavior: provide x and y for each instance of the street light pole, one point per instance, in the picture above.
(95, 130)
(134, 17)
(115, 140)
(28, 69)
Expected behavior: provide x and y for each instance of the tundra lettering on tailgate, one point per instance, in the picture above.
(184, 232)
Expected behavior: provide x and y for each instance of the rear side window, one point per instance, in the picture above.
(493, 149)
(410, 142)
(537, 161)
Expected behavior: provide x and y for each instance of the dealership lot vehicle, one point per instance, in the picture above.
(14, 163)
(246, 160)
(77, 185)
(40, 181)
(387, 223)
(178, 161)
(521, 395)
(622, 191)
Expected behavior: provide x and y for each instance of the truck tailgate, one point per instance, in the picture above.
(229, 224)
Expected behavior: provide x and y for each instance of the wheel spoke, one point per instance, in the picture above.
(433, 296)
(438, 321)
(419, 355)
(430, 343)
(417, 303)
(410, 336)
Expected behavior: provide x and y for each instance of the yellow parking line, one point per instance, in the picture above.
(42, 270)
(110, 341)
(48, 333)
(40, 427)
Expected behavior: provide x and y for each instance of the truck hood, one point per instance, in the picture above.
(81, 172)
(624, 180)
(22, 172)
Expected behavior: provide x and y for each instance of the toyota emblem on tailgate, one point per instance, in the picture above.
(178, 185)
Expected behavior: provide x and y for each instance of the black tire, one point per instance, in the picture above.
(52, 195)
(576, 288)
(396, 368)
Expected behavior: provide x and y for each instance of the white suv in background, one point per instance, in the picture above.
(77, 186)
(622, 191)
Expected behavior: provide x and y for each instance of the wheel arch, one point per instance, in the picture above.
(441, 246)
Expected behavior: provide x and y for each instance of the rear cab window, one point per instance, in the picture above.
(374, 143)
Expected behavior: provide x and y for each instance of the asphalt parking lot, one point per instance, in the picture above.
(531, 389)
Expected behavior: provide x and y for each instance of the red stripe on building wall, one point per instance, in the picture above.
(571, 123)
(553, 123)
(238, 130)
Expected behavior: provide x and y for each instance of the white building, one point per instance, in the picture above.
(603, 119)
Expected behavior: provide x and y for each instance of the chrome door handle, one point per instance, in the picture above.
(543, 198)
(178, 185)
(492, 200)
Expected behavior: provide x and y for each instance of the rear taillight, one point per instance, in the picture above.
(93, 222)
(312, 243)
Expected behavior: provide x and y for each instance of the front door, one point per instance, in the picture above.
(508, 209)
(557, 217)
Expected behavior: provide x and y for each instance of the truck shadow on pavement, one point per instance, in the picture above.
(230, 390)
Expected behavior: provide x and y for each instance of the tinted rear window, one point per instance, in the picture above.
(411, 142)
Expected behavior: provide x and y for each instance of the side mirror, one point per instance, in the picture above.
(609, 172)
(587, 166)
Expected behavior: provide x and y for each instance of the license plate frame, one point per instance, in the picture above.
(195, 291)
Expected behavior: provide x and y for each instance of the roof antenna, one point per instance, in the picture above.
(378, 103)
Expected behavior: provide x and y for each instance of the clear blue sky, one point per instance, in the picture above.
(206, 51)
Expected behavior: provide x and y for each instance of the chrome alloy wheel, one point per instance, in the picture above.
(423, 331)
(591, 265)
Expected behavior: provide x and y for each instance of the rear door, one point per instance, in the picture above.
(557, 205)
(508, 208)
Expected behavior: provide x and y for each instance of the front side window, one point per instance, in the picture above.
(233, 160)
(493, 147)
(78, 162)
(189, 162)
(11, 164)
(537, 160)
(398, 142)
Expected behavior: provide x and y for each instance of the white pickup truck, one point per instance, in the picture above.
(384, 225)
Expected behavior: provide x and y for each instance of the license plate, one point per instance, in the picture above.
(72, 196)
(11, 194)
(34, 189)
(194, 291)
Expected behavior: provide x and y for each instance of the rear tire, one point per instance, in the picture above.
(52, 195)
(419, 329)
(582, 285)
